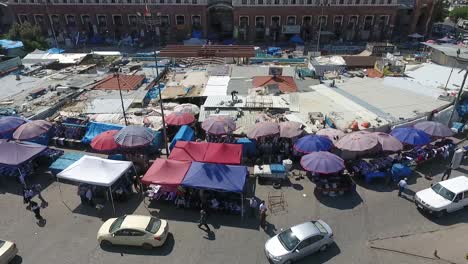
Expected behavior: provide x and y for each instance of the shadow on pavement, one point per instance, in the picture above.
(12, 185)
(343, 202)
(121, 208)
(449, 219)
(16, 260)
(321, 257)
(165, 250)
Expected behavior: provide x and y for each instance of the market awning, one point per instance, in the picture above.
(16, 153)
(221, 153)
(165, 172)
(95, 171)
(216, 177)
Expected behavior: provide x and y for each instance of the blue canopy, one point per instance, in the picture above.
(296, 39)
(185, 133)
(64, 161)
(248, 147)
(411, 136)
(197, 34)
(10, 44)
(95, 128)
(215, 177)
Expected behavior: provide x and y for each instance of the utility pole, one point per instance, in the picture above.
(121, 97)
(457, 99)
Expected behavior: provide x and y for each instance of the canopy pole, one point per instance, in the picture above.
(242, 205)
(61, 195)
(112, 199)
(21, 178)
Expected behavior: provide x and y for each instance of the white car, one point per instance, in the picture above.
(8, 251)
(134, 230)
(444, 197)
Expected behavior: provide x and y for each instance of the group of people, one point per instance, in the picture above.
(274, 149)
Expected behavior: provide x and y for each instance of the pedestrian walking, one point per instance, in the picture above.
(37, 188)
(447, 172)
(402, 186)
(36, 210)
(202, 221)
(263, 210)
(27, 194)
(253, 206)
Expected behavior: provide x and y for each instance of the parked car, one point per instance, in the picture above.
(444, 197)
(8, 251)
(299, 241)
(134, 230)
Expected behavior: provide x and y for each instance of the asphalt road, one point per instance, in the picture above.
(69, 234)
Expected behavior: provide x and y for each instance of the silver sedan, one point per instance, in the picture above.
(299, 241)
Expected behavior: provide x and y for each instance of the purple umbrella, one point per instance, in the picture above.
(134, 136)
(322, 162)
(434, 129)
(219, 125)
(411, 136)
(32, 130)
(10, 123)
(331, 133)
(290, 129)
(388, 142)
(357, 141)
(313, 143)
(263, 129)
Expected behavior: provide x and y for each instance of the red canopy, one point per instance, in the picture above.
(220, 153)
(167, 173)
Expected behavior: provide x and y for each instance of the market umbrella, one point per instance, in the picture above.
(357, 141)
(32, 130)
(388, 142)
(187, 108)
(10, 123)
(313, 143)
(411, 136)
(290, 129)
(105, 141)
(219, 125)
(322, 162)
(263, 129)
(434, 129)
(179, 119)
(134, 136)
(331, 133)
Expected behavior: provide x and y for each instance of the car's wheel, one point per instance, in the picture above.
(440, 213)
(288, 262)
(323, 248)
(106, 243)
(147, 246)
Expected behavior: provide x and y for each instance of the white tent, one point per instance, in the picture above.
(416, 36)
(96, 171)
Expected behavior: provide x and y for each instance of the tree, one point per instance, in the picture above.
(441, 10)
(459, 12)
(30, 35)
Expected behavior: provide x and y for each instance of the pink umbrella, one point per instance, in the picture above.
(179, 119)
(32, 130)
(357, 141)
(434, 129)
(219, 125)
(331, 133)
(187, 108)
(430, 41)
(263, 129)
(290, 129)
(322, 162)
(388, 142)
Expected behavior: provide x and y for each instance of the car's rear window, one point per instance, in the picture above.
(153, 225)
(116, 225)
(2, 243)
(320, 227)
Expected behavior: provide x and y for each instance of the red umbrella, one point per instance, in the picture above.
(179, 119)
(105, 141)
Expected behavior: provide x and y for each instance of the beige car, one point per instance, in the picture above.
(8, 251)
(134, 230)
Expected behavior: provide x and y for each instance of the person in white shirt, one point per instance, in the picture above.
(253, 206)
(402, 186)
(263, 210)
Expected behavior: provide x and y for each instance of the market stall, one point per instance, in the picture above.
(185, 133)
(221, 153)
(95, 171)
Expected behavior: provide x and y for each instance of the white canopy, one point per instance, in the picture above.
(416, 35)
(96, 171)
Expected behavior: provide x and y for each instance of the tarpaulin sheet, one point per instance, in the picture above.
(216, 177)
(221, 153)
(168, 173)
(10, 44)
(185, 133)
(16, 153)
(248, 146)
(64, 161)
(95, 128)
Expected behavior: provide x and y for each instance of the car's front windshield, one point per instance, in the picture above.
(288, 239)
(442, 191)
(116, 224)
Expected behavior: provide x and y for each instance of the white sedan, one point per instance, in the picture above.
(8, 251)
(134, 230)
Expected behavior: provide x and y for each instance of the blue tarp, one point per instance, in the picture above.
(215, 177)
(400, 171)
(197, 34)
(248, 147)
(10, 44)
(462, 108)
(64, 161)
(274, 51)
(95, 128)
(296, 39)
(185, 133)
(55, 51)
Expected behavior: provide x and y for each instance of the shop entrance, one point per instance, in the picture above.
(220, 22)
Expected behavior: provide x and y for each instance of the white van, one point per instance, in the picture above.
(444, 197)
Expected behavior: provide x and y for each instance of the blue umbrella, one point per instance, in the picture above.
(411, 136)
(10, 123)
(134, 136)
(313, 143)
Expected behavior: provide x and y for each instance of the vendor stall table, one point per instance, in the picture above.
(272, 172)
